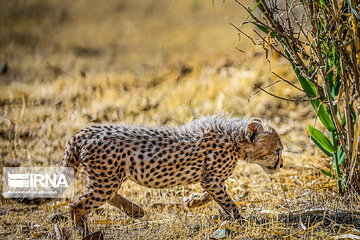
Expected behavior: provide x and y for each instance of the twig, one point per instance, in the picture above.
(242, 32)
(282, 98)
(269, 85)
(293, 85)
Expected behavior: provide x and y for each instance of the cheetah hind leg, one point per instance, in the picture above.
(130, 208)
(197, 200)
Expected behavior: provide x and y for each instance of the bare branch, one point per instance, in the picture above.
(282, 98)
(293, 85)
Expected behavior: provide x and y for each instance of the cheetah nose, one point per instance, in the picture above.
(281, 165)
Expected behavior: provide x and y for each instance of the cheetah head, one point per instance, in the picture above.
(264, 146)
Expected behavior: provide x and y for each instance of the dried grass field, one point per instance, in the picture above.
(71, 64)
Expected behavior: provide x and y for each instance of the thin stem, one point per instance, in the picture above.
(337, 171)
(282, 98)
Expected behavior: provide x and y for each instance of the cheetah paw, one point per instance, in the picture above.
(197, 200)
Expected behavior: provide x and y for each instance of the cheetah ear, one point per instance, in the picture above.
(253, 128)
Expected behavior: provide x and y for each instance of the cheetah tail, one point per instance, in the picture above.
(34, 201)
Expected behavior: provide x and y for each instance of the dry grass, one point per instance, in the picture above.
(76, 64)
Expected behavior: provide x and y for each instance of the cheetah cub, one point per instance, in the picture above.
(203, 151)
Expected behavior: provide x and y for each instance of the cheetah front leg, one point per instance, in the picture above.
(217, 190)
(92, 199)
(130, 208)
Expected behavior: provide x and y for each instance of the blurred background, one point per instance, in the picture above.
(93, 37)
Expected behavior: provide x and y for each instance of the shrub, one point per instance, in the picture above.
(320, 39)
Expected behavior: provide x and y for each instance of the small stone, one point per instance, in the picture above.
(221, 233)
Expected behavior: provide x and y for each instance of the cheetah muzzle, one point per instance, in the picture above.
(203, 151)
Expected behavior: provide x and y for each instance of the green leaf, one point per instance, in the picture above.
(326, 172)
(325, 4)
(323, 115)
(332, 64)
(322, 140)
(266, 30)
(321, 147)
(337, 83)
(306, 85)
(343, 183)
(343, 121)
(330, 77)
(256, 6)
(341, 156)
(336, 166)
(317, 105)
(353, 114)
(346, 43)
